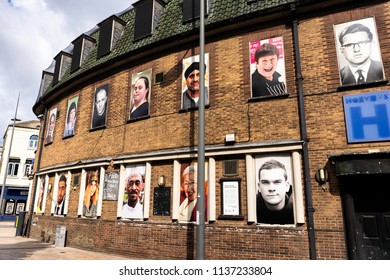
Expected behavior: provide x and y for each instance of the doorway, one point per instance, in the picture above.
(366, 204)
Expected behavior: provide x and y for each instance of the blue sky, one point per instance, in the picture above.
(33, 32)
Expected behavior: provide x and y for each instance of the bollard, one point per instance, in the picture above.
(20, 223)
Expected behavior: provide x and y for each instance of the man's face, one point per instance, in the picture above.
(273, 186)
(193, 81)
(134, 186)
(190, 185)
(101, 99)
(61, 191)
(266, 65)
(356, 47)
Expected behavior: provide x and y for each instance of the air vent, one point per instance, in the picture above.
(159, 78)
(230, 168)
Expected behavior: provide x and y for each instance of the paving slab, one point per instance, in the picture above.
(14, 247)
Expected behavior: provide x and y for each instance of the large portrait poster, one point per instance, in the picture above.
(51, 126)
(191, 83)
(40, 199)
(140, 94)
(91, 194)
(100, 106)
(358, 52)
(71, 117)
(189, 191)
(61, 194)
(133, 199)
(267, 67)
(274, 197)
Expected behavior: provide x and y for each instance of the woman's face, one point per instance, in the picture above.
(72, 114)
(266, 66)
(52, 122)
(140, 91)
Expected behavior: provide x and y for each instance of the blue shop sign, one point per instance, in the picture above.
(367, 116)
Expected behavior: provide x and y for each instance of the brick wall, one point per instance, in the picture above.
(230, 112)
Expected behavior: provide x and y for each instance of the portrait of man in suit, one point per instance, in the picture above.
(100, 107)
(359, 53)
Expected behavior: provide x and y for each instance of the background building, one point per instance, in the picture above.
(101, 164)
(21, 161)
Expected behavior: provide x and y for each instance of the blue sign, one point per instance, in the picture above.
(367, 116)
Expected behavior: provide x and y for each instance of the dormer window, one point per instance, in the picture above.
(110, 32)
(47, 78)
(63, 61)
(191, 9)
(147, 16)
(83, 45)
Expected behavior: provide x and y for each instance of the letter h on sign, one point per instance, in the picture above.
(368, 120)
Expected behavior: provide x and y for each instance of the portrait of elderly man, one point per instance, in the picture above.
(100, 107)
(133, 208)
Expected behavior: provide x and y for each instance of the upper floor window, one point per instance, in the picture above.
(83, 46)
(110, 32)
(147, 16)
(13, 167)
(28, 167)
(62, 63)
(33, 142)
(191, 9)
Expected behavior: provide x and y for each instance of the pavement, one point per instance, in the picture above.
(14, 247)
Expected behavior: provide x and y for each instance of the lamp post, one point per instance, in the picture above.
(37, 167)
(200, 209)
(8, 156)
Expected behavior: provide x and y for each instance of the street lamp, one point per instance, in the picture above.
(8, 156)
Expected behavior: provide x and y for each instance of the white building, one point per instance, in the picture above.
(21, 160)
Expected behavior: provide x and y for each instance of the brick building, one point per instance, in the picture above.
(330, 133)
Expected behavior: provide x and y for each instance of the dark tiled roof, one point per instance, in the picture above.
(170, 27)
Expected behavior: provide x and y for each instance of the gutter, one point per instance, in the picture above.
(305, 150)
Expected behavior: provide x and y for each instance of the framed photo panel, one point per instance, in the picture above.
(274, 197)
(140, 94)
(190, 82)
(189, 191)
(100, 106)
(267, 67)
(133, 198)
(91, 193)
(358, 52)
(71, 116)
(60, 199)
(40, 200)
(51, 126)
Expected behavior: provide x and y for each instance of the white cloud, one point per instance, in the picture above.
(33, 32)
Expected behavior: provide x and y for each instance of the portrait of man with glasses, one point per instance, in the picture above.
(134, 186)
(359, 54)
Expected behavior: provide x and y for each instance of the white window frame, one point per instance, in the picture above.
(12, 164)
(33, 142)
